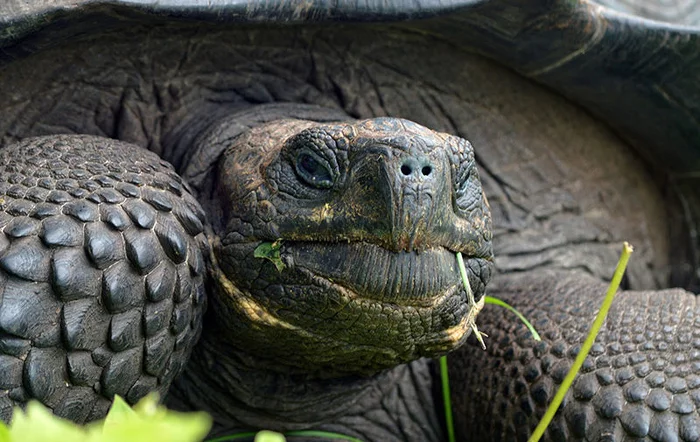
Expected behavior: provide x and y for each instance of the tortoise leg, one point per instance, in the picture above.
(101, 274)
(640, 380)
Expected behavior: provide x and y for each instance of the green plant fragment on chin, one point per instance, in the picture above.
(119, 413)
(271, 252)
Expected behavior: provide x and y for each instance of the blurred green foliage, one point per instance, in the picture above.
(146, 422)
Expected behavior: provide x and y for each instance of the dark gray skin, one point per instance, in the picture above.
(563, 189)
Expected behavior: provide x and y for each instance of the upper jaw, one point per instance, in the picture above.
(373, 272)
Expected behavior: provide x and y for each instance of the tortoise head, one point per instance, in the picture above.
(336, 248)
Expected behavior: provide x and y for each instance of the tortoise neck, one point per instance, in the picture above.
(242, 396)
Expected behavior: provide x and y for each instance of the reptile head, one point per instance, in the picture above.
(336, 247)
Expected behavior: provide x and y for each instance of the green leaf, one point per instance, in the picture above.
(271, 252)
(149, 407)
(4, 432)
(269, 436)
(185, 428)
(38, 424)
(150, 422)
(147, 422)
(119, 413)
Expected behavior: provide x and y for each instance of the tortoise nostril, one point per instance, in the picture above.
(417, 166)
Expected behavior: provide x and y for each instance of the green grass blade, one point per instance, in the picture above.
(444, 377)
(587, 344)
(465, 279)
(470, 298)
(498, 302)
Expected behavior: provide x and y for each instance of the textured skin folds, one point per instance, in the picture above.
(101, 275)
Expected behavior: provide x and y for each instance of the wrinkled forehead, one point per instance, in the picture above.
(397, 133)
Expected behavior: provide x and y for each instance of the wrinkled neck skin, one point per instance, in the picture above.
(241, 397)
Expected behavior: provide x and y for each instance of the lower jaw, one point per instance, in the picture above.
(341, 333)
(430, 343)
(362, 348)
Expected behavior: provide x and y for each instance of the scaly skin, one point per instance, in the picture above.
(639, 381)
(102, 274)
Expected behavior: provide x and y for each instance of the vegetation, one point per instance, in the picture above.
(147, 421)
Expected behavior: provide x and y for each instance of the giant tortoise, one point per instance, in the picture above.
(253, 208)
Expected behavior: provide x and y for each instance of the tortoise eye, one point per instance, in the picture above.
(314, 171)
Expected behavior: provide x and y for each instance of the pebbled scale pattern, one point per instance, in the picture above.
(101, 274)
(640, 382)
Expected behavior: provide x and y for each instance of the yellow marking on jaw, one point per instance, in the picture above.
(454, 334)
(245, 305)
(259, 315)
(256, 313)
(321, 214)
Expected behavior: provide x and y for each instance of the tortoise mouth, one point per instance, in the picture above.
(373, 272)
(347, 307)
